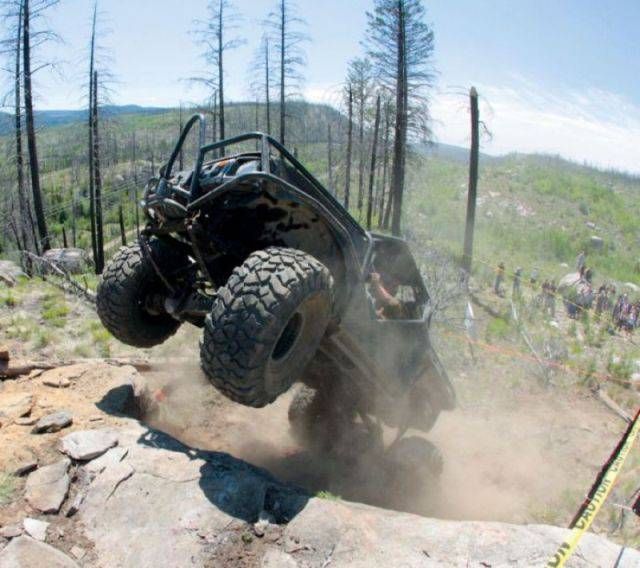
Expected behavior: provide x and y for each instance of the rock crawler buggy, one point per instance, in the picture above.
(251, 247)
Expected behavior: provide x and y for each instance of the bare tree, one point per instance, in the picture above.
(213, 33)
(97, 177)
(92, 190)
(288, 41)
(260, 78)
(374, 154)
(347, 184)
(360, 79)
(383, 212)
(28, 17)
(330, 159)
(11, 46)
(400, 44)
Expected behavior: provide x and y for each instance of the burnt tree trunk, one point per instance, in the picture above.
(473, 182)
(181, 154)
(98, 178)
(123, 233)
(65, 243)
(26, 222)
(267, 85)
(74, 220)
(220, 75)
(330, 159)
(282, 71)
(372, 172)
(385, 167)
(347, 183)
(31, 130)
(361, 155)
(92, 187)
(400, 138)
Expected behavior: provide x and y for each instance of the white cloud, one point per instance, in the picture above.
(594, 126)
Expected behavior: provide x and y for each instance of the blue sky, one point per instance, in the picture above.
(558, 76)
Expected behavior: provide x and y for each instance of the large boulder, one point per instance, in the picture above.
(10, 272)
(163, 503)
(72, 260)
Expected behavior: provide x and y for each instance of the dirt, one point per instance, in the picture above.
(514, 451)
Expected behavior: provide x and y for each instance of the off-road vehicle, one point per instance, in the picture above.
(287, 286)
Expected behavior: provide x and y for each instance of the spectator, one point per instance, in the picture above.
(497, 285)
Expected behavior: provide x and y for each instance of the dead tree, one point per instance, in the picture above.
(473, 182)
(359, 77)
(97, 178)
(74, 219)
(288, 41)
(330, 159)
(383, 212)
(123, 233)
(372, 171)
(36, 190)
(180, 127)
(260, 78)
(213, 35)
(400, 45)
(347, 184)
(92, 189)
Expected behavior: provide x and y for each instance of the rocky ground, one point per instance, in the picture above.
(97, 487)
(104, 465)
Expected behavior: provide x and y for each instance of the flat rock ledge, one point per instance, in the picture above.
(162, 503)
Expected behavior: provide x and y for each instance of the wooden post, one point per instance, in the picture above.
(473, 183)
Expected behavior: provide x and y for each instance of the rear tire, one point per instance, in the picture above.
(266, 325)
(124, 290)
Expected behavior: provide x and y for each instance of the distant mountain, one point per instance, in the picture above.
(61, 117)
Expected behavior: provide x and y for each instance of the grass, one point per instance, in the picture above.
(328, 496)
(497, 329)
(7, 487)
(54, 309)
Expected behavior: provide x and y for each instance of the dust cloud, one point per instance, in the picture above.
(510, 455)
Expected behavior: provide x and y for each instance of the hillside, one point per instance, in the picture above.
(533, 210)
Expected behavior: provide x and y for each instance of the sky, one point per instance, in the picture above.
(554, 76)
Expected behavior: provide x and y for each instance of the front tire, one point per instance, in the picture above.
(266, 325)
(126, 286)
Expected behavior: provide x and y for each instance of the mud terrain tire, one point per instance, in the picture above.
(266, 324)
(126, 283)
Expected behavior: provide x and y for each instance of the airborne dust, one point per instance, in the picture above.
(513, 451)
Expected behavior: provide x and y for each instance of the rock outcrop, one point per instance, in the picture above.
(129, 495)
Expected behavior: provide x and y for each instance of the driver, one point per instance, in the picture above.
(384, 288)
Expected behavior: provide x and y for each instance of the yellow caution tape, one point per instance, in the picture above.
(582, 524)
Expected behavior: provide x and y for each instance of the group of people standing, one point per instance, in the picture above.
(547, 299)
(578, 295)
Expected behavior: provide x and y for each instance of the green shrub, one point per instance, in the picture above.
(497, 328)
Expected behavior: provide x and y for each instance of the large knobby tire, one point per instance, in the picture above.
(124, 290)
(266, 324)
